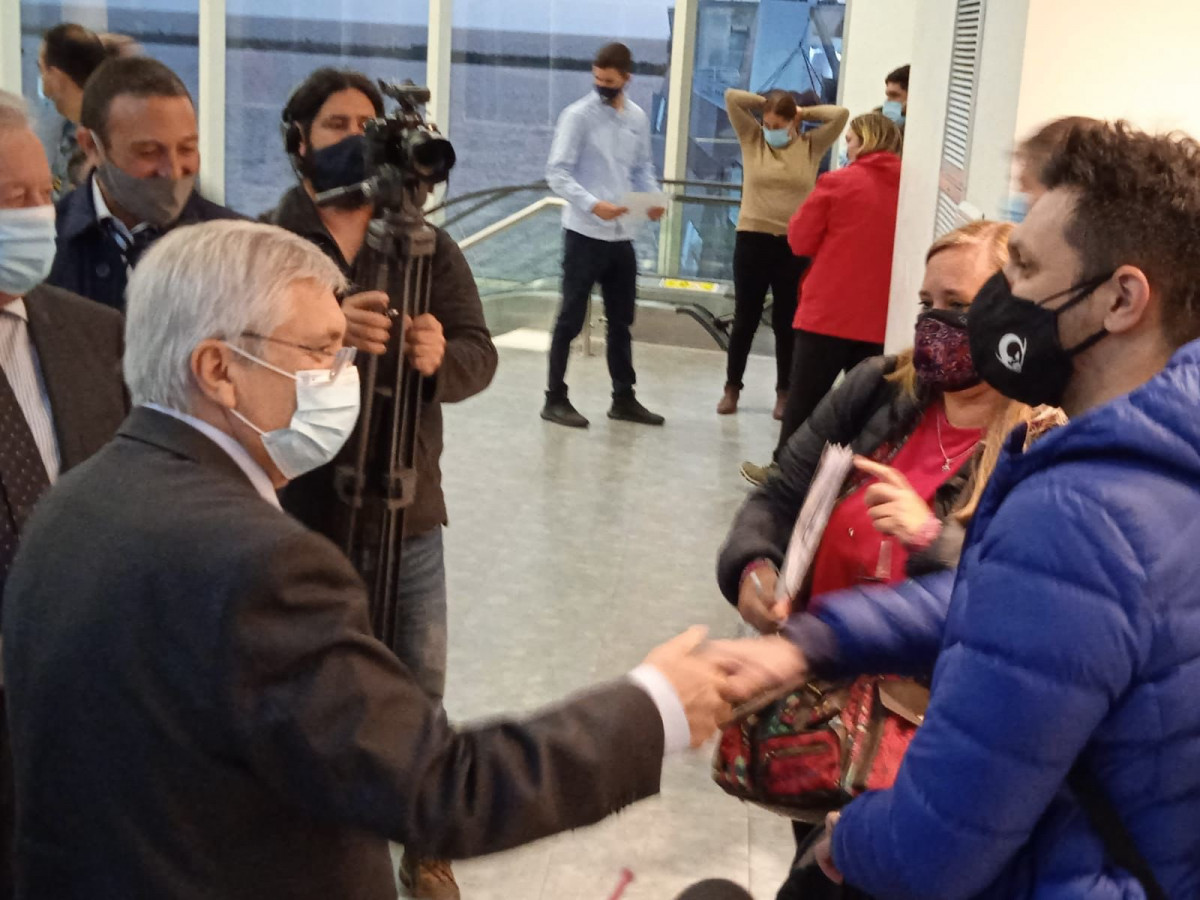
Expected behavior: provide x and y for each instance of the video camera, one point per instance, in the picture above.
(403, 151)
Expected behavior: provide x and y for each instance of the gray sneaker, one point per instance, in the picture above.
(758, 475)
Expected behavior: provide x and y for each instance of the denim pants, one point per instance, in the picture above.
(420, 642)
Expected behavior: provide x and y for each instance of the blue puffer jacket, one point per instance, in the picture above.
(1074, 628)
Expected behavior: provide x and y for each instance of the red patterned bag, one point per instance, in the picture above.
(819, 747)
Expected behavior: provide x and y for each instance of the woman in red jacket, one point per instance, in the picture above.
(847, 226)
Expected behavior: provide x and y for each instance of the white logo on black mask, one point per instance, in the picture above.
(1011, 352)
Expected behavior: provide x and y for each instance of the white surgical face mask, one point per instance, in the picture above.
(27, 244)
(327, 402)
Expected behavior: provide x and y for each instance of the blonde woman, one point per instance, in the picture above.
(847, 228)
(928, 429)
(928, 432)
(780, 164)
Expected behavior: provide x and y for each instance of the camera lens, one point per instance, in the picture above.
(432, 156)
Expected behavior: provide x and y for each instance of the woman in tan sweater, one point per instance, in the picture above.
(780, 166)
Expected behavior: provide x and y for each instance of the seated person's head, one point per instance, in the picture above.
(27, 237)
(873, 133)
(220, 319)
(138, 128)
(895, 89)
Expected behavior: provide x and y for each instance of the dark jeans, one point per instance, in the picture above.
(421, 612)
(613, 264)
(762, 261)
(817, 360)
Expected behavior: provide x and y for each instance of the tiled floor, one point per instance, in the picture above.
(570, 555)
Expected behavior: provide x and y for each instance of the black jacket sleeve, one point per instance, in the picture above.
(764, 523)
(470, 361)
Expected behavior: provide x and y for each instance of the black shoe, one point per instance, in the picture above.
(558, 409)
(627, 409)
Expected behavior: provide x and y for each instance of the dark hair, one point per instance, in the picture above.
(135, 76)
(1138, 204)
(1035, 151)
(898, 76)
(614, 56)
(307, 99)
(75, 50)
(780, 102)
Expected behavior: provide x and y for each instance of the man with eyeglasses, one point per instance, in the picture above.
(198, 707)
(324, 123)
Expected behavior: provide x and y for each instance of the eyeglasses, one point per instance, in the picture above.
(341, 359)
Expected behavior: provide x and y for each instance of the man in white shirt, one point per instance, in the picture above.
(601, 153)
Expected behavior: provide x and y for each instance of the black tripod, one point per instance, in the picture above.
(382, 481)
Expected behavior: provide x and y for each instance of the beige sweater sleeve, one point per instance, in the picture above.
(741, 106)
(834, 119)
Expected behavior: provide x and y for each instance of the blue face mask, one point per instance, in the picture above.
(1017, 207)
(27, 245)
(894, 110)
(777, 137)
(843, 160)
(41, 89)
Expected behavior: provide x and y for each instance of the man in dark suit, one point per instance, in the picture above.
(138, 128)
(198, 708)
(61, 396)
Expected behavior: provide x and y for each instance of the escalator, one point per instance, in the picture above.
(512, 238)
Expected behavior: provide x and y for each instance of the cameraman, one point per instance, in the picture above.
(325, 121)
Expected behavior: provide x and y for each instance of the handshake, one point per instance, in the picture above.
(712, 678)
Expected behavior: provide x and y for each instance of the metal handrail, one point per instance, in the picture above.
(508, 222)
(490, 196)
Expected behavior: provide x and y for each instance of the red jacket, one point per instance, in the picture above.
(848, 226)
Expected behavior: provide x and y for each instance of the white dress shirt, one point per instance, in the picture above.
(258, 477)
(121, 232)
(676, 732)
(19, 359)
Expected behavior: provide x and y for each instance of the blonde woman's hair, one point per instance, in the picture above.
(989, 237)
(877, 133)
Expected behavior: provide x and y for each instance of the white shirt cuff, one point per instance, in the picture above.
(677, 735)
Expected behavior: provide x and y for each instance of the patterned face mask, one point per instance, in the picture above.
(942, 351)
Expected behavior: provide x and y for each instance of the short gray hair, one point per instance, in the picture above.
(14, 114)
(216, 280)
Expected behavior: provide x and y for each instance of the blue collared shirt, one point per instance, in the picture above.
(600, 153)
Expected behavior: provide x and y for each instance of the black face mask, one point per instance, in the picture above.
(339, 165)
(608, 94)
(1015, 342)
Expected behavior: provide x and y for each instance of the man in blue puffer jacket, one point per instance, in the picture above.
(1072, 638)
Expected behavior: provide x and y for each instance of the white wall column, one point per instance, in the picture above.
(212, 99)
(10, 45)
(679, 117)
(928, 89)
(437, 61)
(679, 97)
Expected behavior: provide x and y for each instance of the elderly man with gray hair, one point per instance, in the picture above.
(61, 396)
(198, 709)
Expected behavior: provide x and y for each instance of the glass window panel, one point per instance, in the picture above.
(168, 30)
(519, 63)
(755, 45)
(273, 45)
